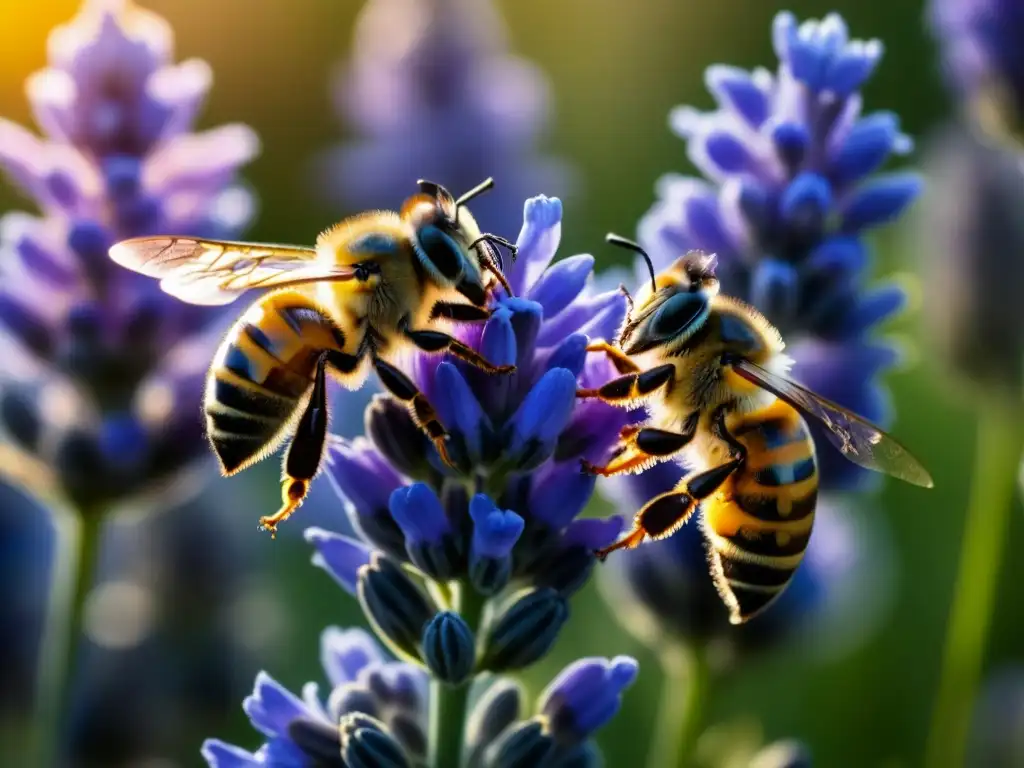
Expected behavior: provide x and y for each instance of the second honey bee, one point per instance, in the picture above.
(712, 372)
(374, 283)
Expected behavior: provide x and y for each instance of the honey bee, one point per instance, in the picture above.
(712, 372)
(375, 283)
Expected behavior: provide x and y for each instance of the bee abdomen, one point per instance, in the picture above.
(760, 528)
(261, 374)
(243, 417)
(752, 567)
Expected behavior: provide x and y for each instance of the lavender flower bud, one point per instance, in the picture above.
(585, 696)
(534, 430)
(340, 556)
(449, 648)
(524, 632)
(365, 743)
(430, 541)
(499, 707)
(393, 432)
(495, 533)
(525, 746)
(365, 480)
(398, 609)
(316, 739)
(355, 698)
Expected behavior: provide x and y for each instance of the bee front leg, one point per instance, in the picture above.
(665, 514)
(640, 448)
(305, 452)
(616, 356)
(627, 389)
(402, 387)
(438, 341)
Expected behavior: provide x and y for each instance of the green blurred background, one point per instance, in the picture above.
(616, 68)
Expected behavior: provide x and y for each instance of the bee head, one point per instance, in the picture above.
(448, 241)
(438, 232)
(674, 306)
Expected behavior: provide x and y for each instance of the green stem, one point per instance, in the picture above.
(1000, 441)
(74, 566)
(681, 709)
(449, 704)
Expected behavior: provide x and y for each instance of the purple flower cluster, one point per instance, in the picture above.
(789, 192)
(508, 513)
(432, 93)
(100, 390)
(376, 713)
(469, 570)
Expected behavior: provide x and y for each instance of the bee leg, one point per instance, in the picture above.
(631, 387)
(304, 453)
(617, 357)
(459, 313)
(495, 270)
(423, 413)
(641, 448)
(665, 514)
(438, 341)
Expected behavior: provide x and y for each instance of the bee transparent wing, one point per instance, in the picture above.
(212, 272)
(858, 439)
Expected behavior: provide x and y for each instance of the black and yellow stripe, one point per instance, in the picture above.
(759, 526)
(262, 371)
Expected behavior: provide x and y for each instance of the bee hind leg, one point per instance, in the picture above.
(304, 454)
(423, 413)
(665, 514)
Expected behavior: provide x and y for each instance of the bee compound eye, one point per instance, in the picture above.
(679, 314)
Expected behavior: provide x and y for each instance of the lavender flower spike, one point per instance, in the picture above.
(432, 93)
(100, 393)
(369, 692)
(468, 569)
(789, 187)
(983, 60)
(790, 190)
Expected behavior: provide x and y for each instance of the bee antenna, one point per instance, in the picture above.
(622, 242)
(476, 191)
(429, 187)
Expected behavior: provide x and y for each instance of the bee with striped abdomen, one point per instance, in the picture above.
(712, 372)
(374, 283)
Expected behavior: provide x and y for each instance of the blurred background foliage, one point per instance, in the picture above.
(615, 70)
